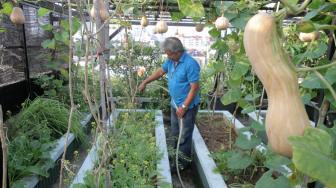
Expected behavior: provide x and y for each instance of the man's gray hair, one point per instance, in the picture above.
(172, 44)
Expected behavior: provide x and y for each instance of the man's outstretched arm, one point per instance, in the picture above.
(156, 75)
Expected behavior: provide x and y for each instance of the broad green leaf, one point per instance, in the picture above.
(240, 21)
(62, 37)
(7, 8)
(18, 184)
(231, 96)
(331, 75)
(191, 8)
(248, 109)
(306, 26)
(176, 16)
(251, 97)
(127, 8)
(75, 25)
(267, 181)
(315, 4)
(312, 82)
(239, 161)
(292, 2)
(239, 70)
(219, 66)
(214, 33)
(235, 83)
(313, 13)
(220, 46)
(318, 51)
(312, 155)
(333, 1)
(42, 12)
(257, 126)
(277, 162)
(246, 143)
(48, 44)
(47, 27)
(2, 30)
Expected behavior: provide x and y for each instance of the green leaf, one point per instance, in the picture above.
(231, 96)
(240, 21)
(333, 1)
(239, 161)
(306, 26)
(239, 70)
(191, 8)
(331, 75)
(315, 4)
(7, 8)
(219, 66)
(47, 27)
(277, 162)
(37, 170)
(176, 16)
(62, 37)
(292, 2)
(220, 46)
(2, 30)
(257, 126)
(312, 155)
(49, 44)
(214, 33)
(42, 12)
(312, 82)
(248, 109)
(246, 143)
(267, 181)
(318, 51)
(313, 13)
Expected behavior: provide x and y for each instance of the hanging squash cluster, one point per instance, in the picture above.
(103, 12)
(17, 16)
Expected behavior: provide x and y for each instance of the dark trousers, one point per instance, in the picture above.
(1, 168)
(187, 132)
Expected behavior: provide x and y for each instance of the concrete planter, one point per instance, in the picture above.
(204, 163)
(162, 166)
(38, 182)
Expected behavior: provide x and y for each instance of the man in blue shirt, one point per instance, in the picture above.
(183, 82)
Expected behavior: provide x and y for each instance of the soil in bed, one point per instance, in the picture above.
(216, 131)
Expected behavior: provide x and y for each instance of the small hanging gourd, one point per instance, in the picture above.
(308, 37)
(222, 23)
(144, 22)
(199, 27)
(286, 115)
(17, 16)
(103, 12)
(161, 26)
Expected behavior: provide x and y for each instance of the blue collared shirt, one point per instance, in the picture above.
(180, 77)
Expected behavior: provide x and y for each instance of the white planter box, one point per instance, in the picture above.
(162, 166)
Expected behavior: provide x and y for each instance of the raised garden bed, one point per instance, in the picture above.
(162, 165)
(216, 141)
(41, 182)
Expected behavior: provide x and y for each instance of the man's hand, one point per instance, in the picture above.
(142, 86)
(180, 112)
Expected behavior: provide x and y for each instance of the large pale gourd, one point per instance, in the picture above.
(286, 115)
(161, 27)
(144, 22)
(17, 16)
(103, 12)
(222, 23)
(308, 37)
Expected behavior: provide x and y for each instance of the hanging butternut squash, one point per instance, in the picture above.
(286, 115)
(17, 16)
